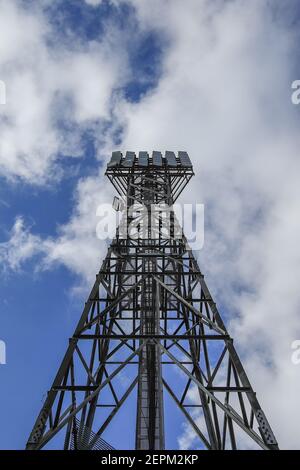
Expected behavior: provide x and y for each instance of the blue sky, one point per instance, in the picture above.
(85, 79)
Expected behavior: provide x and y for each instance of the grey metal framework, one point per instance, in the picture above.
(150, 317)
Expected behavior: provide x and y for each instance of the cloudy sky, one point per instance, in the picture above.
(212, 77)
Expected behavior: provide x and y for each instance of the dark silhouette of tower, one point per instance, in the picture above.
(151, 318)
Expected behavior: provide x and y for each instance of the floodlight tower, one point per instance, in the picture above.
(149, 313)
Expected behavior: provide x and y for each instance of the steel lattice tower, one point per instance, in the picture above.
(149, 313)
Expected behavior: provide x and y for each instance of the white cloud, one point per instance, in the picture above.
(45, 85)
(93, 3)
(21, 246)
(77, 246)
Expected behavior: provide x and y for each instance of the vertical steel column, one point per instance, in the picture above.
(150, 423)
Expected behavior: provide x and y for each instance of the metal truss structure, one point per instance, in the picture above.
(151, 318)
